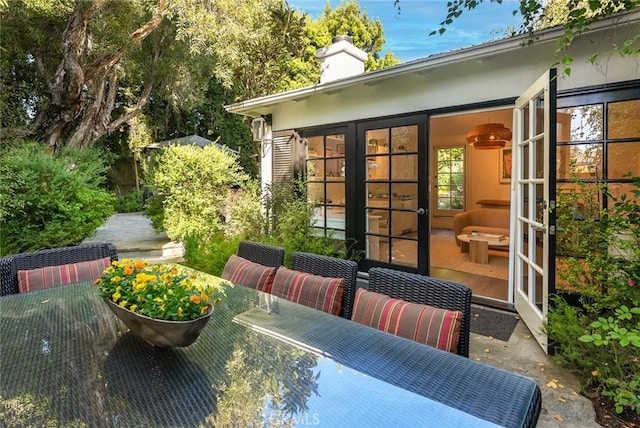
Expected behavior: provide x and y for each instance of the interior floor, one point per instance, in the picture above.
(481, 286)
(448, 262)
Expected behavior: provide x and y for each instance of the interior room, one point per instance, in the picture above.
(474, 181)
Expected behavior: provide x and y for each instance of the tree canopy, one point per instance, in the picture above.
(78, 71)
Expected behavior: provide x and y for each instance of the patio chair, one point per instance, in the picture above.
(426, 290)
(10, 265)
(267, 255)
(330, 267)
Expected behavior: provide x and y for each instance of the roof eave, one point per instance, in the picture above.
(253, 106)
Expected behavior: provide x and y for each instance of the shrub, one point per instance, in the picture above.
(129, 203)
(291, 229)
(195, 182)
(210, 256)
(155, 211)
(600, 258)
(244, 217)
(50, 200)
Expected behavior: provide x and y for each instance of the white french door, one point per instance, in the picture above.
(532, 258)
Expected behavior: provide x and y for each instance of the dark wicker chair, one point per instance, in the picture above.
(10, 265)
(426, 290)
(331, 267)
(267, 255)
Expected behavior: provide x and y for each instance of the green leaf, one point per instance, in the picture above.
(586, 338)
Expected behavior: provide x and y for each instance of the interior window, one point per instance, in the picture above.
(450, 178)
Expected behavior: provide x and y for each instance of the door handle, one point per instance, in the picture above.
(420, 211)
(539, 228)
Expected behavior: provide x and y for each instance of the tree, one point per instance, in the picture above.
(345, 19)
(113, 56)
(79, 73)
(260, 44)
(75, 72)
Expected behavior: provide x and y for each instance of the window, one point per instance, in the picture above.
(450, 178)
(326, 183)
(598, 151)
(599, 142)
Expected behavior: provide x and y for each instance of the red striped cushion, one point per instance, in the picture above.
(315, 291)
(435, 327)
(51, 276)
(245, 272)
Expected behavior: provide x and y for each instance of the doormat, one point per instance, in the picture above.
(498, 325)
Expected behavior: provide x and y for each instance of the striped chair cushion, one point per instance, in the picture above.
(435, 327)
(245, 272)
(52, 276)
(315, 291)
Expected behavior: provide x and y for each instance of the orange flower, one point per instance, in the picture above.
(139, 264)
(128, 270)
(195, 299)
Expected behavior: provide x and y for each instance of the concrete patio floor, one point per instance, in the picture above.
(562, 404)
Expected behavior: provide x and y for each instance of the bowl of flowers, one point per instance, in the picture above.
(160, 303)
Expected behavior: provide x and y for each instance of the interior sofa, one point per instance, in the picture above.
(485, 220)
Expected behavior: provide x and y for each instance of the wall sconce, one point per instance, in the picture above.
(258, 128)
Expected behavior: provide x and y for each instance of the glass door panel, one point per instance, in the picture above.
(391, 205)
(533, 219)
(325, 166)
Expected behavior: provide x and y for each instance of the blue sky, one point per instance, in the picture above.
(407, 33)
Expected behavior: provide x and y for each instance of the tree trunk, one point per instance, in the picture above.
(82, 95)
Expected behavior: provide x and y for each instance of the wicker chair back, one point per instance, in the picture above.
(426, 290)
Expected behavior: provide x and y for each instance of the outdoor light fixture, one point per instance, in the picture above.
(258, 128)
(489, 136)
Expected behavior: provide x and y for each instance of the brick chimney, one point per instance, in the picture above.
(340, 59)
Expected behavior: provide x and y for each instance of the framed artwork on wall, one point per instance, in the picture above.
(504, 167)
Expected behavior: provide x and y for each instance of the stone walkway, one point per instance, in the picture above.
(133, 236)
(562, 405)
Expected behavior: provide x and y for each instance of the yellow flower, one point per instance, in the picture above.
(158, 291)
(138, 285)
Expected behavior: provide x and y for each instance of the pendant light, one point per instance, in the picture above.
(489, 136)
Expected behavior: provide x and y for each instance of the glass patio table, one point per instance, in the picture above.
(66, 360)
